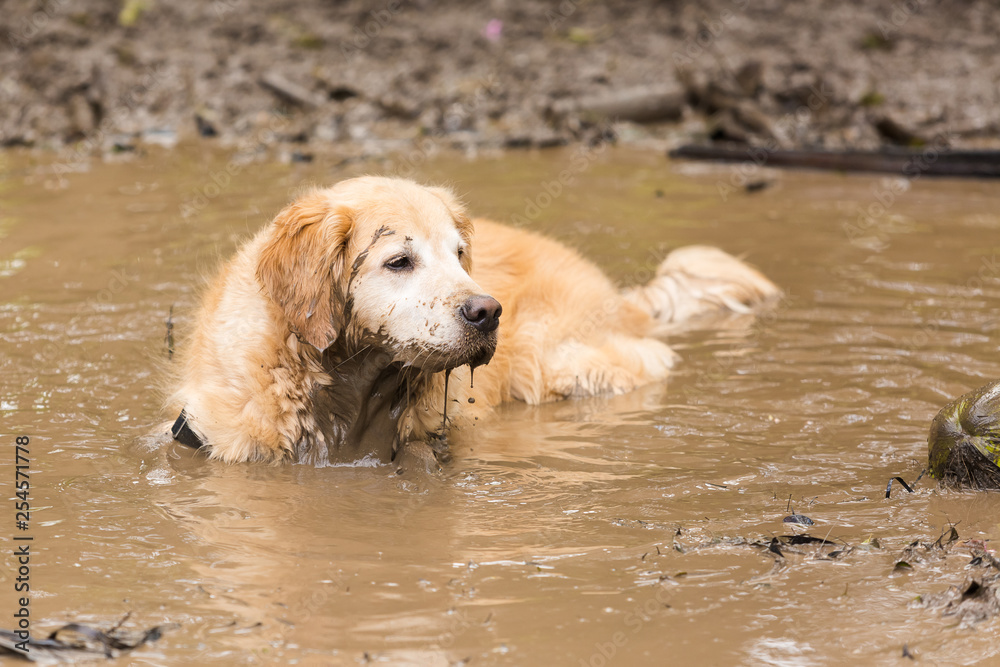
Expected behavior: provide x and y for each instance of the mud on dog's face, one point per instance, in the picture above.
(384, 262)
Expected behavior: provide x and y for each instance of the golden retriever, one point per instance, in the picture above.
(331, 335)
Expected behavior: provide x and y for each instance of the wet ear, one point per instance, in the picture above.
(301, 266)
(462, 221)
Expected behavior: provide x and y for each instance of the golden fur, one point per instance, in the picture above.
(313, 345)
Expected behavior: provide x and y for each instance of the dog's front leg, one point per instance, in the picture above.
(417, 455)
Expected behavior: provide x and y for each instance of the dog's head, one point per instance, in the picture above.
(385, 262)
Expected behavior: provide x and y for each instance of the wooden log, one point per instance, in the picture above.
(907, 163)
(289, 90)
(640, 105)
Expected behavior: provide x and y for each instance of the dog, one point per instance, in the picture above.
(375, 315)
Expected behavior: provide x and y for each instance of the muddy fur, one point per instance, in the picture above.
(329, 335)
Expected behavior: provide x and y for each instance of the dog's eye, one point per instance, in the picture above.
(460, 253)
(399, 263)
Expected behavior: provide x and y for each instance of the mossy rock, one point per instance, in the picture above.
(964, 442)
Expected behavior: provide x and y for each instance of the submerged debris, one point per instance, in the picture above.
(922, 552)
(902, 482)
(964, 441)
(779, 545)
(977, 598)
(74, 642)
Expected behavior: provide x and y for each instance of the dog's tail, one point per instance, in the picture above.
(701, 280)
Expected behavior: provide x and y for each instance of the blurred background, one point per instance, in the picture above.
(362, 79)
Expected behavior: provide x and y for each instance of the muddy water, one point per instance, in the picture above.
(591, 532)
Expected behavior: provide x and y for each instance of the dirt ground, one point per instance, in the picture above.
(370, 78)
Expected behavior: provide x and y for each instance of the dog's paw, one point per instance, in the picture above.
(419, 456)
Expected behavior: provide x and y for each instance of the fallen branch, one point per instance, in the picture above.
(966, 164)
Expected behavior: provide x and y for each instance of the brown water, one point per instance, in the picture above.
(590, 532)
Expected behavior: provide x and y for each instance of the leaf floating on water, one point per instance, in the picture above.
(870, 544)
(902, 566)
(795, 517)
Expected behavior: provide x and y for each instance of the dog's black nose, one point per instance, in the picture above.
(482, 312)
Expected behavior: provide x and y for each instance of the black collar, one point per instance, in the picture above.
(183, 434)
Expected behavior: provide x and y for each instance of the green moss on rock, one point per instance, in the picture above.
(964, 442)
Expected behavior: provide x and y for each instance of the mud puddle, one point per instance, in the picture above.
(632, 530)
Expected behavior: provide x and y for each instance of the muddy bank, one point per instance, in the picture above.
(372, 78)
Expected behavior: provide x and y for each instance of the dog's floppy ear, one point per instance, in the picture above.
(461, 218)
(302, 264)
